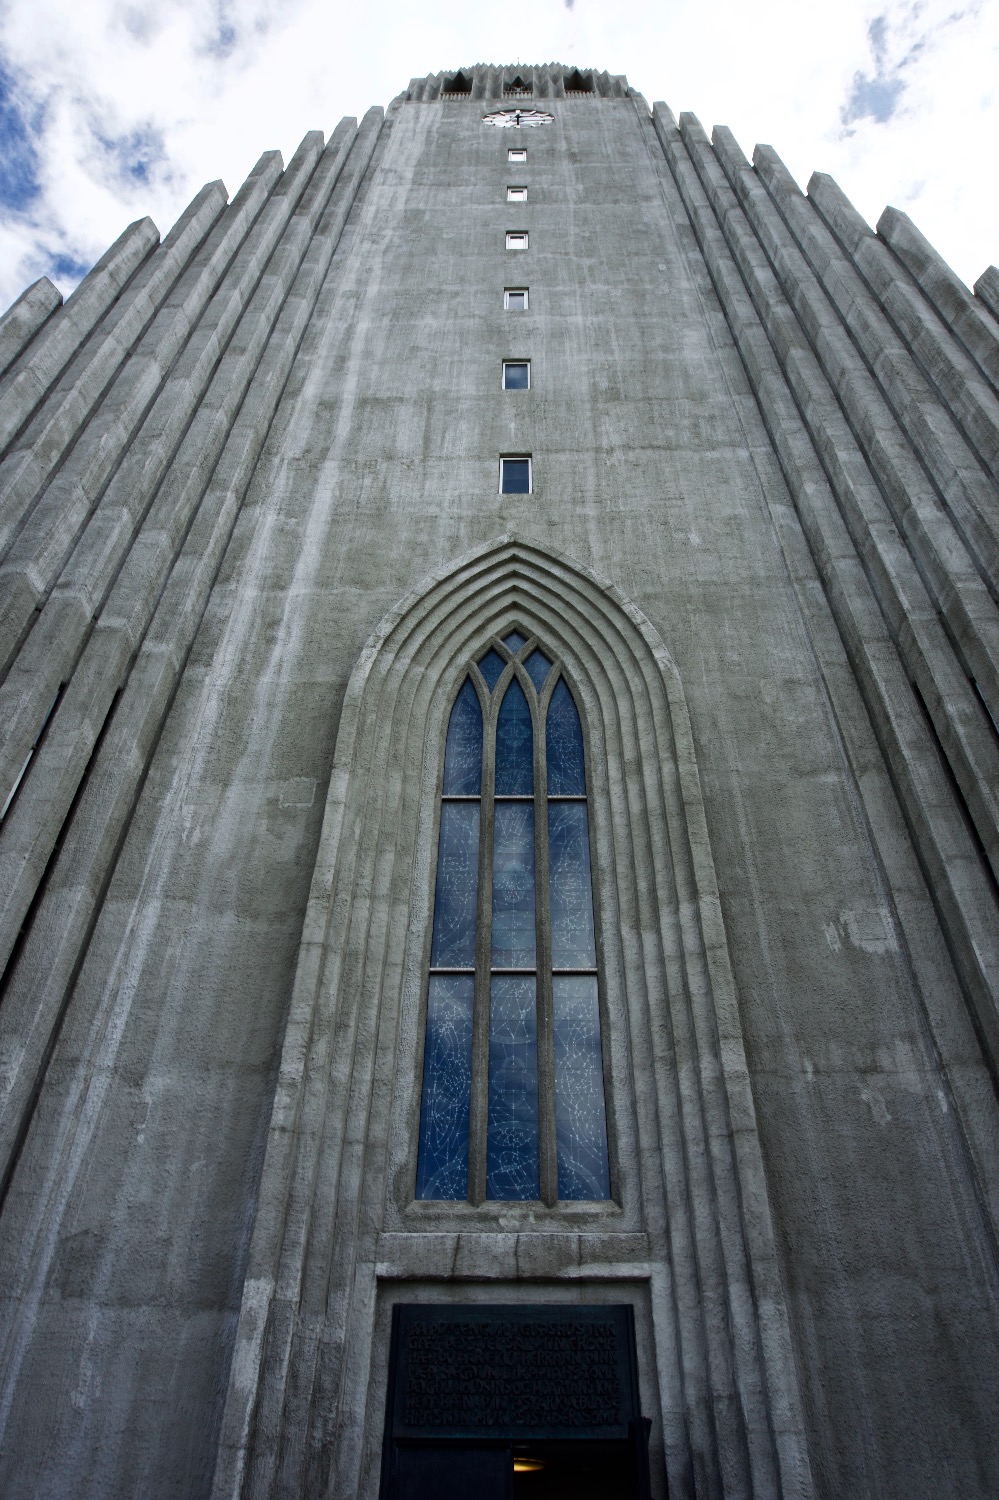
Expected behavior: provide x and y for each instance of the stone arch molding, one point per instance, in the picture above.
(692, 1179)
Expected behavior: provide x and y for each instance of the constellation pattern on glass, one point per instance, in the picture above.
(442, 1170)
(573, 944)
(491, 666)
(484, 981)
(512, 1151)
(537, 666)
(514, 745)
(463, 750)
(456, 899)
(564, 745)
(580, 1112)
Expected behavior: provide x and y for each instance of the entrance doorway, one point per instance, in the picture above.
(514, 1403)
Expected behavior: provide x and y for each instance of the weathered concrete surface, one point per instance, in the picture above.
(24, 317)
(131, 1200)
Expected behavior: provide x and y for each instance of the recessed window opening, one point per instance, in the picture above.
(519, 88)
(515, 474)
(515, 298)
(516, 239)
(517, 153)
(513, 1093)
(516, 195)
(516, 374)
(459, 84)
(579, 83)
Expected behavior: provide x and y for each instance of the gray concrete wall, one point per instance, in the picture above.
(756, 420)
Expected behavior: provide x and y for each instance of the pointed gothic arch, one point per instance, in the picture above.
(337, 1190)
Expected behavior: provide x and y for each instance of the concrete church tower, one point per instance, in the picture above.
(520, 459)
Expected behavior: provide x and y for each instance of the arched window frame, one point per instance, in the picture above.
(490, 704)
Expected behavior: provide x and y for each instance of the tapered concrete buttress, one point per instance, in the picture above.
(945, 292)
(39, 448)
(39, 988)
(987, 289)
(961, 723)
(25, 317)
(44, 545)
(24, 386)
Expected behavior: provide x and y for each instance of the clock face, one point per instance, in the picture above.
(518, 117)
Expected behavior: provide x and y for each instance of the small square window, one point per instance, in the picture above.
(515, 299)
(516, 239)
(516, 195)
(516, 374)
(517, 153)
(515, 475)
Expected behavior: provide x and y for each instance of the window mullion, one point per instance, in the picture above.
(547, 1142)
(479, 1112)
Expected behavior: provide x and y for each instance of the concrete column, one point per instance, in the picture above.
(945, 553)
(845, 251)
(46, 542)
(958, 716)
(951, 375)
(33, 456)
(945, 292)
(987, 289)
(125, 618)
(23, 319)
(25, 385)
(941, 839)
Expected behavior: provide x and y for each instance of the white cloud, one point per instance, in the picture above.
(131, 105)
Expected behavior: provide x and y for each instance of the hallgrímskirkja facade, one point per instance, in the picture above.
(500, 647)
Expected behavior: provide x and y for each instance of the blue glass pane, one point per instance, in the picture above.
(463, 751)
(442, 1169)
(512, 1140)
(457, 887)
(516, 476)
(514, 641)
(573, 945)
(491, 666)
(580, 1114)
(538, 666)
(514, 745)
(513, 940)
(516, 377)
(564, 739)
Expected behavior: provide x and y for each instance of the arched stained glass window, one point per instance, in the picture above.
(513, 1092)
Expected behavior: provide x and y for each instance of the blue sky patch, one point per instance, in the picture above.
(19, 184)
(65, 267)
(134, 156)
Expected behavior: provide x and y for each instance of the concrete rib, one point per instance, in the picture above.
(944, 847)
(35, 454)
(24, 318)
(26, 384)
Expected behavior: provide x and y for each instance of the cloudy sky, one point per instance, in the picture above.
(110, 109)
